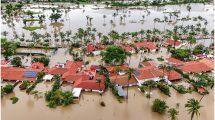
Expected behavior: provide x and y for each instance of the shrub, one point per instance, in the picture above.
(16, 61)
(182, 54)
(181, 89)
(8, 88)
(14, 100)
(164, 88)
(159, 106)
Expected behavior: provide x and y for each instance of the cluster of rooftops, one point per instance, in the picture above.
(86, 78)
(149, 46)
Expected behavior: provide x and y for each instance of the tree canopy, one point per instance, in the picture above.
(114, 55)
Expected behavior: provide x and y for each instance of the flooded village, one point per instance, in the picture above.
(107, 60)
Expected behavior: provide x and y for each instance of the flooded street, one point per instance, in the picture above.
(137, 107)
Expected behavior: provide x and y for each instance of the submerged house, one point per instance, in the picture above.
(177, 44)
(149, 73)
(150, 46)
(195, 67)
(88, 83)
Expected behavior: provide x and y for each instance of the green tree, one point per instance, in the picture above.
(114, 55)
(172, 112)
(129, 72)
(8, 88)
(16, 61)
(159, 106)
(193, 107)
(8, 48)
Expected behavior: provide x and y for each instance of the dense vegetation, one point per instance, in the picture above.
(159, 106)
(56, 97)
(44, 60)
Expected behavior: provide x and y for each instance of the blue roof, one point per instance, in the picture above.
(30, 74)
(120, 91)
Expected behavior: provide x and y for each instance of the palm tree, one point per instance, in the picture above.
(163, 67)
(173, 113)
(129, 72)
(98, 81)
(104, 16)
(117, 69)
(188, 9)
(193, 107)
(142, 49)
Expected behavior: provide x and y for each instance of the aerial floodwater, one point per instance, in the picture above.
(150, 53)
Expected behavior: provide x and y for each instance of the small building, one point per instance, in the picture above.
(76, 92)
(48, 77)
(120, 91)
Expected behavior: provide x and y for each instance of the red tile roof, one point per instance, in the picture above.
(207, 62)
(56, 70)
(148, 73)
(122, 80)
(149, 63)
(201, 90)
(194, 66)
(94, 67)
(37, 65)
(85, 83)
(15, 73)
(148, 45)
(4, 62)
(113, 68)
(173, 75)
(171, 42)
(90, 48)
(74, 64)
(174, 61)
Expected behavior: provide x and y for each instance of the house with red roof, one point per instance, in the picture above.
(17, 73)
(150, 46)
(171, 42)
(122, 68)
(174, 62)
(88, 83)
(122, 80)
(128, 48)
(149, 73)
(93, 49)
(70, 67)
(195, 67)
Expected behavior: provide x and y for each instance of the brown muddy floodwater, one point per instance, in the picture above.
(138, 106)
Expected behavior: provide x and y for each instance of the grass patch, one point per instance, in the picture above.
(32, 28)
